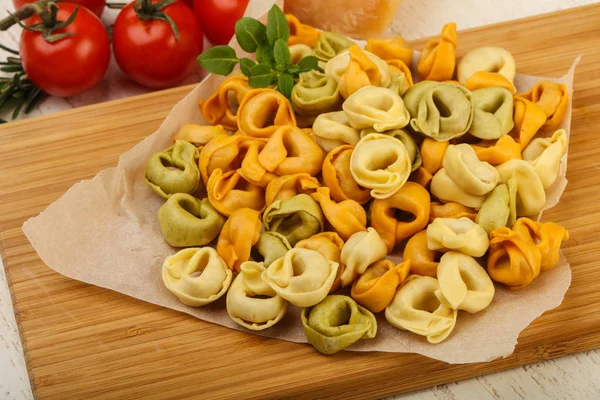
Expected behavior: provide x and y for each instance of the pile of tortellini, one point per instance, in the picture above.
(298, 201)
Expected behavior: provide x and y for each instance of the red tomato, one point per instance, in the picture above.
(147, 51)
(71, 65)
(218, 18)
(95, 6)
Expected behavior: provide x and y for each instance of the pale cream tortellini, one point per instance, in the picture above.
(471, 175)
(407, 140)
(303, 277)
(336, 323)
(381, 163)
(464, 284)
(526, 190)
(333, 129)
(174, 170)
(361, 250)
(251, 302)
(492, 114)
(487, 59)
(197, 276)
(416, 308)
(447, 190)
(545, 155)
(376, 107)
(459, 234)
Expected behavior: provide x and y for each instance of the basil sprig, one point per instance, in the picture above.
(273, 59)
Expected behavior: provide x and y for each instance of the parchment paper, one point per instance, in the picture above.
(105, 232)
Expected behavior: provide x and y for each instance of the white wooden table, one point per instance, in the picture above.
(572, 377)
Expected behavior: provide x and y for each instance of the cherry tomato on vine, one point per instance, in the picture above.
(151, 50)
(95, 6)
(218, 18)
(65, 66)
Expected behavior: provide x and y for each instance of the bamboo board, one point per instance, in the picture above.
(87, 342)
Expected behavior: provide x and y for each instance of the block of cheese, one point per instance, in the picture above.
(359, 19)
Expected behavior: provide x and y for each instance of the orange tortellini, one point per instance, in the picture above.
(301, 33)
(529, 118)
(547, 236)
(422, 260)
(376, 287)
(263, 111)
(552, 98)
(290, 151)
(346, 217)
(391, 48)
(338, 177)
(438, 58)
(498, 151)
(217, 109)
(288, 186)
(240, 232)
(229, 191)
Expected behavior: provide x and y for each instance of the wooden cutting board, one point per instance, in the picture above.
(87, 342)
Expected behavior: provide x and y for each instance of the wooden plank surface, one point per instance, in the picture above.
(83, 341)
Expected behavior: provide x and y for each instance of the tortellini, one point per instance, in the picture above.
(493, 113)
(362, 70)
(219, 108)
(296, 218)
(422, 260)
(360, 251)
(377, 286)
(301, 33)
(545, 155)
(199, 135)
(229, 191)
(459, 234)
(450, 210)
(464, 284)
(488, 59)
(413, 202)
(441, 111)
(528, 193)
(471, 175)
(338, 177)
(271, 246)
(299, 51)
(187, 221)
(495, 211)
(438, 59)
(376, 107)
(380, 163)
(391, 48)
(346, 217)
(174, 170)
(483, 79)
(336, 323)
(288, 186)
(330, 245)
(252, 303)
(263, 111)
(552, 98)
(330, 45)
(514, 260)
(409, 144)
(547, 236)
(291, 150)
(499, 151)
(401, 77)
(528, 118)
(333, 129)
(240, 232)
(303, 277)
(416, 308)
(432, 153)
(315, 94)
(447, 190)
(196, 276)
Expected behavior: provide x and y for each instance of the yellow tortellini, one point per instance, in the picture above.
(487, 59)
(416, 308)
(333, 129)
(495, 211)
(459, 234)
(271, 246)
(303, 277)
(447, 190)
(526, 189)
(298, 51)
(252, 303)
(471, 175)
(330, 45)
(493, 113)
(376, 107)
(441, 111)
(407, 140)
(545, 155)
(361, 250)
(380, 163)
(464, 284)
(315, 93)
(174, 170)
(196, 276)
(336, 323)
(187, 221)
(296, 218)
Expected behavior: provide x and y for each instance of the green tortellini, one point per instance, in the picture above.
(296, 218)
(336, 323)
(414, 153)
(495, 211)
(493, 113)
(330, 45)
(441, 111)
(174, 170)
(271, 246)
(316, 93)
(187, 221)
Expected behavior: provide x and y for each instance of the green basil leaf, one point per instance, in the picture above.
(285, 84)
(260, 76)
(277, 26)
(264, 54)
(309, 62)
(250, 33)
(293, 69)
(246, 65)
(282, 55)
(218, 60)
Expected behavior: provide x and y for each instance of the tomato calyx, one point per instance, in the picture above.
(146, 11)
